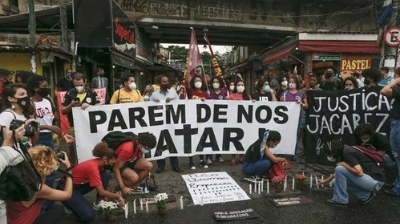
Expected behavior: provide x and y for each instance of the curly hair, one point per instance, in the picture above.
(34, 81)
(44, 159)
(102, 149)
(147, 139)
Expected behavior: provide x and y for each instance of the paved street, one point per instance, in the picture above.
(382, 209)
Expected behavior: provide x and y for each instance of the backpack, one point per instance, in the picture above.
(116, 138)
(372, 154)
(20, 182)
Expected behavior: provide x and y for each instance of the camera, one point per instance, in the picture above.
(60, 155)
(30, 129)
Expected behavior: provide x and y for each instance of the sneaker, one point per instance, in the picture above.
(209, 161)
(336, 204)
(371, 196)
(221, 160)
(96, 207)
(203, 164)
(192, 167)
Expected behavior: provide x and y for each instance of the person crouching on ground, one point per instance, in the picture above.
(131, 168)
(355, 173)
(90, 175)
(259, 158)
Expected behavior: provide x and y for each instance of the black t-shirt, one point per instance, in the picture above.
(377, 142)
(65, 84)
(328, 85)
(261, 96)
(279, 93)
(395, 112)
(91, 98)
(354, 157)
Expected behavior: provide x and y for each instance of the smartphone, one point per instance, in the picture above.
(77, 99)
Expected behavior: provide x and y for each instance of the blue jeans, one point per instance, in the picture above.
(259, 168)
(395, 144)
(79, 205)
(346, 182)
(46, 138)
(173, 160)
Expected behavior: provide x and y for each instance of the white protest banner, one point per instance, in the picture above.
(190, 127)
(101, 93)
(213, 187)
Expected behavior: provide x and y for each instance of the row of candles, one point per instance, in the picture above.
(146, 205)
(259, 185)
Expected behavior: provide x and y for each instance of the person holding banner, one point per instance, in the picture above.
(129, 93)
(258, 158)
(166, 95)
(90, 175)
(294, 94)
(312, 83)
(264, 92)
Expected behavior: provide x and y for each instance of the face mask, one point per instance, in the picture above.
(164, 86)
(43, 92)
(331, 159)
(328, 75)
(365, 140)
(366, 82)
(231, 88)
(216, 85)
(267, 89)
(132, 86)
(80, 89)
(68, 75)
(284, 83)
(348, 88)
(24, 102)
(273, 146)
(292, 86)
(240, 89)
(146, 98)
(198, 85)
(144, 151)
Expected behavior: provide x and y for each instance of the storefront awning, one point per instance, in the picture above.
(121, 59)
(278, 54)
(339, 46)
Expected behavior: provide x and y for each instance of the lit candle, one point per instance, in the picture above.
(250, 188)
(316, 181)
(181, 202)
(311, 181)
(141, 204)
(322, 180)
(293, 184)
(262, 185)
(267, 186)
(259, 187)
(147, 206)
(255, 187)
(134, 206)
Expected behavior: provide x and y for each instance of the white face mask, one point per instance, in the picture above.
(273, 146)
(292, 86)
(348, 88)
(144, 151)
(365, 140)
(240, 89)
(146, 98)
(132, 86)
(284, 83)
(216, 85)
(79, 89)
(198, 85)
(231, 88)
(331, 159)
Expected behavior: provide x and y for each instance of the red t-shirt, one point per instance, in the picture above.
(126, 152)
(194, 94)
(87, 172)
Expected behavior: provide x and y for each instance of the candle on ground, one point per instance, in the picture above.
(147, 206)
(262, 185)
(134, 206)
(293, 184)
(322, 180)
(267, 186)
(316, 181)
(311, 181)
(181, 200)
(141, 204)
(259, 187)
(250, 188)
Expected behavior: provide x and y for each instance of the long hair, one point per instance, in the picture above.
(44, 159)
(245, 95)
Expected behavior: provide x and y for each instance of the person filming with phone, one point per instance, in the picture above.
(80, 96)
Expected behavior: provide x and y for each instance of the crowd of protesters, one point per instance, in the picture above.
(29, 100)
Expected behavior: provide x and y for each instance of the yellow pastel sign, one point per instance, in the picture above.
(355, 64)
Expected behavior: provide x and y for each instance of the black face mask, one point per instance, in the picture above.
(24, 102)
(164, 86)
(328, 75)
(43, 92)
(366, 82)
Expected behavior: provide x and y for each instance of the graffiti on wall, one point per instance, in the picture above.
(156, 8)
(219, 10)
(142, 6)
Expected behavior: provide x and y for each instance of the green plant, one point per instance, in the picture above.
(161, 200)
(108, 207)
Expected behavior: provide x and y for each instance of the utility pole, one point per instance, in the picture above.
(32, 34)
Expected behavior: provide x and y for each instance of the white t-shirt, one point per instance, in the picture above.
(44, 113)
(8, 115)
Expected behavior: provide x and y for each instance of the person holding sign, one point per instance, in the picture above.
(166, 95)
(128, 93)
(264, 92)
(259, 158)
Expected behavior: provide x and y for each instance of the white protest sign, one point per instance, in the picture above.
(213, 187)
(190, 127)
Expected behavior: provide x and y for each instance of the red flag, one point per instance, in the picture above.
(193, 59)
(217, 69)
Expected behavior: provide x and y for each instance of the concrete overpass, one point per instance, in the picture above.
(248, 23)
